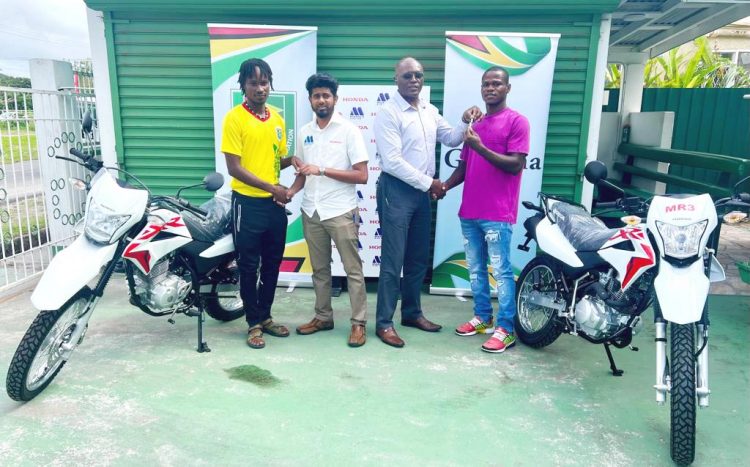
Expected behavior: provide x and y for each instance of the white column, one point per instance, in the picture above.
(596, 103)
(104, 113)
(58, 128)
(631, 93)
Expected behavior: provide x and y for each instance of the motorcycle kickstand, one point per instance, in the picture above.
(202, 346)
(612, 366)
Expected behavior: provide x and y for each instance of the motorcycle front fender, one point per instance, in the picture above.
(69, 271)
(681, 292)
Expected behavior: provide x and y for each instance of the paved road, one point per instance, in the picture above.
(21, 179)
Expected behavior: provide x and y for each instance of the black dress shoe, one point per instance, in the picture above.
(421, 323)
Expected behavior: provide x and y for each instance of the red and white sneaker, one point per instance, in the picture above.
(499, 341)
(475, 326)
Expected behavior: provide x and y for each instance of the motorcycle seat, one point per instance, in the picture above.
(214, 226)
(584, 232)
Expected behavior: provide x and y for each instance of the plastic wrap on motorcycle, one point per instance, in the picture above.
(69, 271)
(584, 232)
(215, 224)
(682, 292)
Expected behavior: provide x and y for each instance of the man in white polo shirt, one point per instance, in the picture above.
(335, 159)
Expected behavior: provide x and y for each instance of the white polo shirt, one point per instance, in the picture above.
(337, 146)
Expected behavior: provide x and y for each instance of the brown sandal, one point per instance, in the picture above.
(274, 329)
(255, 337)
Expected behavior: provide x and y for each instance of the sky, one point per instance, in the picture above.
(55, 29)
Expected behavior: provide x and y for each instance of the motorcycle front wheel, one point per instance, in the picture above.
(45, 348)
(537, 325)
(682, 395)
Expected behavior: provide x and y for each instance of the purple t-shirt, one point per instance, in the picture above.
(490, 193)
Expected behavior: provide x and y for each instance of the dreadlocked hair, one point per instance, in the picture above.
(247, 69)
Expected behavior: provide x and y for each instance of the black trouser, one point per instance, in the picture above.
(405, 220)
(259, 231)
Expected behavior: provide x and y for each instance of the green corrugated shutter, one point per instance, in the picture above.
(163, 81)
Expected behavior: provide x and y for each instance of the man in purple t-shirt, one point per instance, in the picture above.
(492, 161)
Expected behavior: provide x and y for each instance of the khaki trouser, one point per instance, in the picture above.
(344, 231)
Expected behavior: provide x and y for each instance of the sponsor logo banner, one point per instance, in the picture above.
(530, 61)
(360, 104)
(292, 54)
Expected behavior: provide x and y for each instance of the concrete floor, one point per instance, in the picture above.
(136, 393)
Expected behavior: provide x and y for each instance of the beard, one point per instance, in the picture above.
(323, 112)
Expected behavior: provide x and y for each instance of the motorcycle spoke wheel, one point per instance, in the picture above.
(682, 394)
(225, 304)
(45, 348)
(537, 325)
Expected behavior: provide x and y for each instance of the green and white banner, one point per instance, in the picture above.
(530, 61)
(292, 54)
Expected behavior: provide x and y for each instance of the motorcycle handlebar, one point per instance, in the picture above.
(194, 209)
(87, 161)
(78, 154)
(608, 204)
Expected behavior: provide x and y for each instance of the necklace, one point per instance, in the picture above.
(265, 116)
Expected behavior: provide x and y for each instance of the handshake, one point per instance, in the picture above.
(438, 189)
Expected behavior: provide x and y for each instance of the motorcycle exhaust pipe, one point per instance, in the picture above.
(701, 389)
(661, 361)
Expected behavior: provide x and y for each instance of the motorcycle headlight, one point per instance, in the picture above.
(681, 241)
(100, 225)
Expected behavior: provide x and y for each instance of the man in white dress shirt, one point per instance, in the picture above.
(334, 160)
(406, 132)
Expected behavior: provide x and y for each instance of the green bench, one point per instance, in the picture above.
(731, 169)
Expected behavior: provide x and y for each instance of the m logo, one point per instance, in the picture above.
(360, 195)
(376, 261)
(357, 113)
(378, 233)
(359, 245)
(308, 140)
(383, 98)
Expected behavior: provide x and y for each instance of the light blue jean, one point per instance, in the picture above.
(485, 240)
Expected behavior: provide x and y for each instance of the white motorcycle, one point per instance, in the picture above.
(596, 282)
(178, 258)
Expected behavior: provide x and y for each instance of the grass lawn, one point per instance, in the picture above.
(19, 144)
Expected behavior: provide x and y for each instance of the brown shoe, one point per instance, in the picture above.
(274, 329)
(357, 337)
(255, 337)
(421, 323)
(390, 337)
(314, 326)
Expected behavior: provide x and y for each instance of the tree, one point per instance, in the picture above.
(702, 69)
(14, 82)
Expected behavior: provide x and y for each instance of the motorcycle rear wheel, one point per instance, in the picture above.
(40, 355)
(536, 325)
(682, 395)
(225, 308)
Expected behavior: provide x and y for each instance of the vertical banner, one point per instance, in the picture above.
(530, 61)
(360, 104)
(292, 54)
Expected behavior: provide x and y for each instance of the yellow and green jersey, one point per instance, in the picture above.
(260, 144)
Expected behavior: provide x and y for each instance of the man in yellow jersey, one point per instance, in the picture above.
(254, 144)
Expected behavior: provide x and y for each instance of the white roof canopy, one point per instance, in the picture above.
(653, 27)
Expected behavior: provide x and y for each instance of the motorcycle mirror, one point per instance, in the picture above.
(213, 181)
(87, 122)
(595, 172)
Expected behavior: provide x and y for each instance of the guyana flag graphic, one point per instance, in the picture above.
(487, 51)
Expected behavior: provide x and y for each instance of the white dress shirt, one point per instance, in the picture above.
(406, 139)
(337, 146)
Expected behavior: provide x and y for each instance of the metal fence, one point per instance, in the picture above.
(38, 206)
